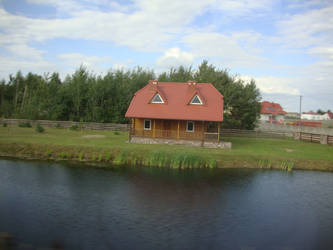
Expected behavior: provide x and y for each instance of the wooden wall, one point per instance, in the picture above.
(168, 129)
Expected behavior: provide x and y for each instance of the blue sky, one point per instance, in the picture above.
(286, 46)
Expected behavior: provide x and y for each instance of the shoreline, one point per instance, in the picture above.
(94, 160)
(111, 148)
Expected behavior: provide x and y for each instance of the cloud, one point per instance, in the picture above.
(25, 51)
(225, 48)
(307, 28)
(238, 8)
(174, 57)
(75, 59)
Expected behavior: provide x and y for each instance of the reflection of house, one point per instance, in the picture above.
(272, 112)
(176, 110)
(316, 117)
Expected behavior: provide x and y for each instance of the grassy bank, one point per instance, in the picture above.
(107, 148)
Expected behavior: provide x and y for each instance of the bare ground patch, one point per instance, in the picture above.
(93, 136)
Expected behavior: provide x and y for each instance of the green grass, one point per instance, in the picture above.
(245, 152)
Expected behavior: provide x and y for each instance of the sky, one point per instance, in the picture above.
(285, 46)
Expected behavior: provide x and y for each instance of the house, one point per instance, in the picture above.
(272, 112)
(316, 116)
(327, 116)
(176, 113)
(311, 116)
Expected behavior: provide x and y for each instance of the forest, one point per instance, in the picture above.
(87, 97)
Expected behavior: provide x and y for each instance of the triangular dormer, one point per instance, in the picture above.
(157, 99)
(196, 100)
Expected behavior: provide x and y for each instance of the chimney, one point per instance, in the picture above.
(153, 84)
(191, 83)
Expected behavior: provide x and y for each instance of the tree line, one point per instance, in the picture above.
(84, 96)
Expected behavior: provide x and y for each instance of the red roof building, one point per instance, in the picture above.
(272, 112)
(180, 110)
(271, 108)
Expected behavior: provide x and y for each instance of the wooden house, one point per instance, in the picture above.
(176, 110)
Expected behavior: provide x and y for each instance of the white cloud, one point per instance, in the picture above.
(24, 51)
(75, 59)
(277, 85)
(225, 48)
(174, 57)
(244, 7)
(308, 29)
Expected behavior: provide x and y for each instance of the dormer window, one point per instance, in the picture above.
(196, 100)
(157, 99)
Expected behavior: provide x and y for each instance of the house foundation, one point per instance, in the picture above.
(195, 143)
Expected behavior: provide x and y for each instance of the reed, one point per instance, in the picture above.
(81, 156)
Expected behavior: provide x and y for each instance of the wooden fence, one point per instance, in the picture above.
(316, 138)
(68, 124)
(254, 133)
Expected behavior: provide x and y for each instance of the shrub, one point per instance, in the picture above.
(74, 127)
(24, 125)
(39, 128)
(58, 125)
(48, 153)
(4, 125)
(116, 132)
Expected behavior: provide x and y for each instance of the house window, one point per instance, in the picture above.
(190, 126)
(147, 125)
(196, 100)
(157, 99)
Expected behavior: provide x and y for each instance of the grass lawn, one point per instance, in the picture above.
(95, 146)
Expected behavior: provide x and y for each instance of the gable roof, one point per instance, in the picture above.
(177, 97)
(271, 108)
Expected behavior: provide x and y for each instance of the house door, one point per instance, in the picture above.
(166, 128)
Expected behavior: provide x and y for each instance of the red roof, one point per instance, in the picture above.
(330, 115)
(271, 108)
(177, 97)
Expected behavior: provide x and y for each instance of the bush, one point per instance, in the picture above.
(58, 125)
(24, 125)
(39, 128)
(116, 132)
(74, 127)
(4, 125)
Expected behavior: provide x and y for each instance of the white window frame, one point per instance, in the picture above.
(159, 97)
(144, 124)
(187, 126)
(191, 102)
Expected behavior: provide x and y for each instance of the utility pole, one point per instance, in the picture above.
(300, 112)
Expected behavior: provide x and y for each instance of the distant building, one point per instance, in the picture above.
(328, 116)
(272, 112)
(292, 115)
(317, 117)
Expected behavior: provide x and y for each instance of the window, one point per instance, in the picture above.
(190, 126)
(147, 125)
(196, 100)
(157, 99)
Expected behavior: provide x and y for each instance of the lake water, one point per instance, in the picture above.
(145, 208)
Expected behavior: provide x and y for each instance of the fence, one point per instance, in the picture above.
(316, 138)
(68, 124)
(254, 133)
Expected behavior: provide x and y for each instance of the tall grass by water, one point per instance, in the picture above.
(109, 148)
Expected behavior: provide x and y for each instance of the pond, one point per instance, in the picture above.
(42, 204)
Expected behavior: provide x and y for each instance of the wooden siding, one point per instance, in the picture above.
(169, 129)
